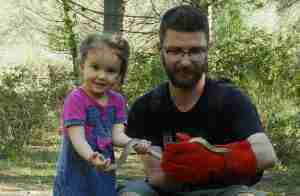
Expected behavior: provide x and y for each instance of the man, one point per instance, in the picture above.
(190, 105)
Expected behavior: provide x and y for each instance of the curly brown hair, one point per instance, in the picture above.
(115, 41)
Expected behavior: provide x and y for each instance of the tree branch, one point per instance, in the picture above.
(102, 13)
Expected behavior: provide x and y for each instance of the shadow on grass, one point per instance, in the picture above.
(34, 169)
(27, 182)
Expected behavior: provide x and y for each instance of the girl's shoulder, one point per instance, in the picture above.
(115, 97)
(76, 94)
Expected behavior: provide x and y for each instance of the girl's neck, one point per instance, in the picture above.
(185, 99)
(102, 99)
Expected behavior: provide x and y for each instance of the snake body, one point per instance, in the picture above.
(129, 146)
(124, 155)
(208, 146)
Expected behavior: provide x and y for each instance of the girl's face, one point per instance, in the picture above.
(101, 70)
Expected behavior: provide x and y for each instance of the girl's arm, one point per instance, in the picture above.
(119, 137)
(77, 137)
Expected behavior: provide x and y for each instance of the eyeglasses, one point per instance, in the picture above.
(194, 53)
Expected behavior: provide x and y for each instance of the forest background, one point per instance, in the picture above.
(254, 43)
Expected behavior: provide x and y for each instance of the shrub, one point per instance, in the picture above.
(28, 106)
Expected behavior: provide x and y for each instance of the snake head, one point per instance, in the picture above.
(183, 137)
(209, 146)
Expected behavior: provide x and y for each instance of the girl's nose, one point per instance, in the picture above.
(101, 74)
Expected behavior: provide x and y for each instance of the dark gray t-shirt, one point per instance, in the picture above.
(223, 114)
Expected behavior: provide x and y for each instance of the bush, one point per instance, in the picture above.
(264, 66)
(28, 107)
(144, 73)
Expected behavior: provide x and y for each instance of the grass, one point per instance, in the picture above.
(35, 171)
(36, 168)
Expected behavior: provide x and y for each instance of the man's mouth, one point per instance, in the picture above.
(184, 73)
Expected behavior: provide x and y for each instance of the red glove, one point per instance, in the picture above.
(241, 167)
(193, 163)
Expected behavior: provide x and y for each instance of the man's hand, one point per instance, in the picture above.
(197, 161)
(192, 163)
(142, 147)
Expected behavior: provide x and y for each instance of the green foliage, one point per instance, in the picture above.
(145, 73)
(22, 106)
(58, 39)
(256, 55)
(28, 107)
(265, 66)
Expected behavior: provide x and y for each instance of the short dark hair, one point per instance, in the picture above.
(115, 41)
(184, 18)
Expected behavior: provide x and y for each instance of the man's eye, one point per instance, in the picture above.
(196, 50)
(174, 51)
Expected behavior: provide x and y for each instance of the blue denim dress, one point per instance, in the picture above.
(75, 176)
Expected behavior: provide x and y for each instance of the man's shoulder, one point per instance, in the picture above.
(226, 95)
(225, 88)
(152, 97)
(222, 83)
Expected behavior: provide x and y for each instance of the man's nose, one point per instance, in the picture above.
(186, 59)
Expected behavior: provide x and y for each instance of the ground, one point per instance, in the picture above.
(33, 175)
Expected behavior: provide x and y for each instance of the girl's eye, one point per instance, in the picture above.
(111, 70)
(95, 67)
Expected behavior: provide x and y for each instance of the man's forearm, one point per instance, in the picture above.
(263, 150)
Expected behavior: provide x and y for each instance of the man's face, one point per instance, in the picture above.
(184, 56)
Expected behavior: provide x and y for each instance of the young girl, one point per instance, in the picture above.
(93, 118)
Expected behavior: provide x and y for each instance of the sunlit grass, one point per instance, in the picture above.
(35, 170)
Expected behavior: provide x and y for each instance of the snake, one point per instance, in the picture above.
(209, 146)
(127, 150)
(158, 155)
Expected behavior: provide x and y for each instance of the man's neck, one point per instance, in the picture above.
(185, 99)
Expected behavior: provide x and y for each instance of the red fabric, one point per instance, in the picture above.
(240, 163)
(183, 137)
(192, 163)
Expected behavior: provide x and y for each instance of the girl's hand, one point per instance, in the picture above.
(142, 147)
(98, 160)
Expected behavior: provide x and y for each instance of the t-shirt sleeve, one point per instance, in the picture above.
(136, 120)
(74, 112)
(243, 115)
(121, 114)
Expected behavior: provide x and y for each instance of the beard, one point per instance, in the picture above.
(194, 73)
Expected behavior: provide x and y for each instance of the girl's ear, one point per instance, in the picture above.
(81, 66)
(119, 79)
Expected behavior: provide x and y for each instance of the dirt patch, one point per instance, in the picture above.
(25, 193)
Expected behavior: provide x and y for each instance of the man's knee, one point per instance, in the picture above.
(137, 188)
(246, 194)
(129, 194)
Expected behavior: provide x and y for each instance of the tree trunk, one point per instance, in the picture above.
(71, 39)
(113, 15)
